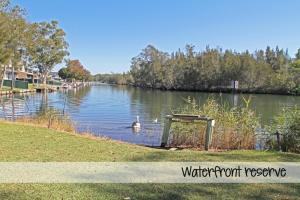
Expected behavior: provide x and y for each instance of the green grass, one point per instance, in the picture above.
(28, 143)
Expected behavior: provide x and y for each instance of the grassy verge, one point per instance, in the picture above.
(27, 143)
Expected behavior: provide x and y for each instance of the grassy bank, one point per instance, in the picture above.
(27, 143)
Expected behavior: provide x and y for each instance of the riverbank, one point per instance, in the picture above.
(41, 88)
(225, 90)
(20, 142)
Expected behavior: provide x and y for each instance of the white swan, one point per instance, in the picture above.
(137, 123)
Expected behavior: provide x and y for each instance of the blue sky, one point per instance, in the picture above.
(105, 34)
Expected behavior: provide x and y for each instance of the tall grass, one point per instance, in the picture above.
(286, 128)
(234, 129)
(50, 118)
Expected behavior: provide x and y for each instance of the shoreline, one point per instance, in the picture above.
(38, 133)
(211, 90)
(37, 89)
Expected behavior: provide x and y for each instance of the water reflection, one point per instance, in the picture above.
(110, 110)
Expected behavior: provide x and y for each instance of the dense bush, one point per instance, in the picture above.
(234, 129)
(270, 70)
(114, 78)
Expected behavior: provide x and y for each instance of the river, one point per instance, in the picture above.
(106, 110)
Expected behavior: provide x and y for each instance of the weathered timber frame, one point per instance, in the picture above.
(183, 118)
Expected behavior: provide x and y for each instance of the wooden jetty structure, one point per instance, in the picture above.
(184, 118)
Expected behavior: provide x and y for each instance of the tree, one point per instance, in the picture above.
(49, 47)
(4, 5)
(298, 54)
(63, 73)
(231, 66)
(295, 71)
(146, 68)
(296, 64)
(4, 53)
(14, 41)
(75, 70)
(271, 58)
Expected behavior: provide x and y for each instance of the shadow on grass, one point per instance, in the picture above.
(150, 191)
(194, 191)
(250, 156)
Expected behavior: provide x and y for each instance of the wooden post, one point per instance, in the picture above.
(208, 135)
(278, 140)
(167, 126)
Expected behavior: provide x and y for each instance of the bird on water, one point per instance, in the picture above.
(136, 124)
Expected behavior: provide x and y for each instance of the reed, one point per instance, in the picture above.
(285, 129)
(234, 129)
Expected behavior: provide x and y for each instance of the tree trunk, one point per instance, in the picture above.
(2, 78)
(12, 77)
(45, 75)
(13, 107)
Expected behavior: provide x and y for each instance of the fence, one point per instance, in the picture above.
(18, 84)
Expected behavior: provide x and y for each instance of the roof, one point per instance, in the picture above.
(22, 75)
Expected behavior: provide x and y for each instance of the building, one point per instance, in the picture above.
(22, 75)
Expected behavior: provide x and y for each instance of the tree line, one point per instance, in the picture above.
(114, 78)
(213, 69)
(34, 45)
